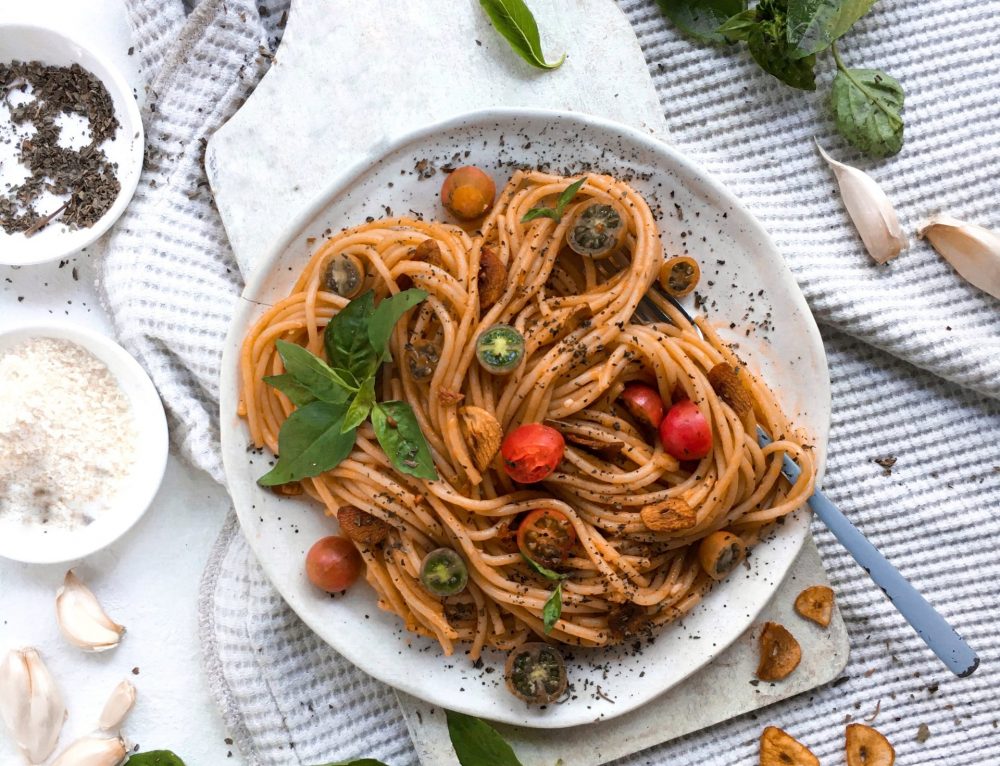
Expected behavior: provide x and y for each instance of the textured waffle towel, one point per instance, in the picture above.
(931, 401)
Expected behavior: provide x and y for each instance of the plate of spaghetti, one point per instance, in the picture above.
(476, 461)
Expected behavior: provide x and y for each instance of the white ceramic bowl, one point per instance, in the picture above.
(24, 42)
(695, 213)
(34, 545)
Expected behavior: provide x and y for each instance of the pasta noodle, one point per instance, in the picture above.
(582, 346)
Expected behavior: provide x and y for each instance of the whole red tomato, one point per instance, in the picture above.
(333, 564)
(531, 452)
(685, 433)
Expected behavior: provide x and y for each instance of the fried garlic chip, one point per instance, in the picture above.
(816, 603)
(868, 747)
(780, 749)
(780, 653)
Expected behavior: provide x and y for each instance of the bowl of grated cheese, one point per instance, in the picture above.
(83, 442)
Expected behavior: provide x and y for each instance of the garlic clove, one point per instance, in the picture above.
(973, 250)
(93, 751)
(118, 706)
(870, 210)
(82, 620)
(30, 704)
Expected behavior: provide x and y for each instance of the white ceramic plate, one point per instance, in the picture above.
(37, 545)
(21, 42)
(696, 214)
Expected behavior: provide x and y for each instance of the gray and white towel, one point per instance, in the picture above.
(914, 355)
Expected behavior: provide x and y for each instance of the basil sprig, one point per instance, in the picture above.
(784, 38)
(514, 20)
(334, 397)
(555, 213)
(552, 610)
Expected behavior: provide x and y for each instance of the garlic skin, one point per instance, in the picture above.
(118, 706)
(30, 704)
(93, 751)
(82, 620)
(870, 209)
(973, 250)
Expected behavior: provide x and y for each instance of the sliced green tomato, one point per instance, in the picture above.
(536, 673)
(500, 349)
(596, 230)
(444, 573)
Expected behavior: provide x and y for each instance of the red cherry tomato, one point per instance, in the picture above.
(546, 537)
(333, 564)
(644, 403)
(531, 452)
(685, 432)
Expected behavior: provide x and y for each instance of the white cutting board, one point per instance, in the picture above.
(348, 78)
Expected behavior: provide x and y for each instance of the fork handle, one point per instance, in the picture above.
(934, 629)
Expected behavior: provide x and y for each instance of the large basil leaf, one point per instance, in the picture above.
(346, 338)
(867, 105)
(155, 758)
(477, 743)
(359, 408)
(398, 432)
(701, 19)
(313, 373)
(769, 47)
(310, 442)
(514, 20)
(298, 394)
(388, 312)
(813, 25)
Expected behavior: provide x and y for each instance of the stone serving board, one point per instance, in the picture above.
(341, 87)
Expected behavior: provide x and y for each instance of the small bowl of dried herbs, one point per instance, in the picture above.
(71, 145)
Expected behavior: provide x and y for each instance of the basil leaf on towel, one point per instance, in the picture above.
(398, 432)
(155, 758)
(310, 442)
(867, 105)
(477, 743)
(386, 314)
(514, 20)
(738, 27)
(701, 19)
(346, 338)
(769, 47)
(813, 25)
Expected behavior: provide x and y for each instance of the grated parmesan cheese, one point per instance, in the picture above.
(67, 434)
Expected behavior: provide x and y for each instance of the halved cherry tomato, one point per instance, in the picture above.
(644, 403)
(685, 432)
(333, 564)
(468, 192)
(531, 452)
(536, 673)
(546, 536)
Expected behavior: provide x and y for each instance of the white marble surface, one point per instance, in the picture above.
(149, 579)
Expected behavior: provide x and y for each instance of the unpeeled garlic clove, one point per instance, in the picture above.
(869, 209)
(118, 706)
(30, 704)
(82, 620)
(93, 751)
(973, 250)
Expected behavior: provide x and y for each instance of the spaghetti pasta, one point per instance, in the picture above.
(582, 346)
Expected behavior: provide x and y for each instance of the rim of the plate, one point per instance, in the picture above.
(151, 432)
(342, 183)
(132, 121)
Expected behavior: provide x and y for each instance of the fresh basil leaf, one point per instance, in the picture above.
(738, 27)
(552, 609)
(360, 406)
(313, 373)
(813, 25)
(514, 20)
(155, 758)
(477, 743)
(769, 47)
(361, 762)
(548, 574)
(310, 442)
(398, 432)
(701, 19)
(564, 199)
(387, 313)
(867, 105)
(298, 394)
(346, 338)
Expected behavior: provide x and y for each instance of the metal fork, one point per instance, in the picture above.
(932, 628)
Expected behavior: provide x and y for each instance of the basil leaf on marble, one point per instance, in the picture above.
(515, 22)
(155, 758)
(477, 743)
